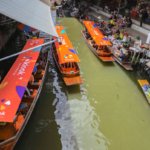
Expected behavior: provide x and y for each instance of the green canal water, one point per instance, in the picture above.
(107, 112)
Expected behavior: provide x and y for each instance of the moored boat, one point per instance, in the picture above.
(19, 92)
(66, 58)
(121, 56)
(146, 88)
(97, 42)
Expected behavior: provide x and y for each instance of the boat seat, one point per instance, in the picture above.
(7, 131)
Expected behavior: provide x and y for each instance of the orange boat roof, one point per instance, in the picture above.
(66, 55)
(66, 52)
(96, 34)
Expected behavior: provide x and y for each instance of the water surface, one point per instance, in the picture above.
(107, 112)
(113, 100)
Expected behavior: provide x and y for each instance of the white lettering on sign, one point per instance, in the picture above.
(2, 113)
(23, 67)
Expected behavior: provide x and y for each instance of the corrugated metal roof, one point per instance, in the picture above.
(34, 13)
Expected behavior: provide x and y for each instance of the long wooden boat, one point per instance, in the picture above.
(146, 88)
(66, 58)
(19, 93)
(127, 65)
(97, 42)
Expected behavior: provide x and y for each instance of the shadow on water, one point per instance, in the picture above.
(73, 89)
(62, 113)
(108, 64)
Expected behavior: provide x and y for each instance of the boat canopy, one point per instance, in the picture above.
(96, 34)
(34, 13)
(66, 55)
(14, 84)
(66, 52)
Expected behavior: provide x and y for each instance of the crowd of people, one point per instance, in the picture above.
(116, 30)
(116, 25)
(141, 11)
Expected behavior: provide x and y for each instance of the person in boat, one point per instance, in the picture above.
(94, 45)
(31, 80)
(41, 63)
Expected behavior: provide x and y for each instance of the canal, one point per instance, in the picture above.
(107, 112)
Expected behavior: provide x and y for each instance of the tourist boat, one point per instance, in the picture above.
(97, 42)
(146, 88)
(66, 58)
(19, 94)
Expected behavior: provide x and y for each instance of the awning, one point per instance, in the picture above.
(34, 13)
(95, 33)
(65, 50)
(13, 86)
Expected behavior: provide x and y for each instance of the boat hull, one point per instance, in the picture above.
(10, 143)
(69, 79)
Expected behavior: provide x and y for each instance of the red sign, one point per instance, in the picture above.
(13, 86)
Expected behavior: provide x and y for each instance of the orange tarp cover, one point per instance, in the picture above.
(65, 50)
(96, 34)
(13, 86)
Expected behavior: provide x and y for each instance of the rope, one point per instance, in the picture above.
(24, 51)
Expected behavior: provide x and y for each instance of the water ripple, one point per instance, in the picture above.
(78, 124)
